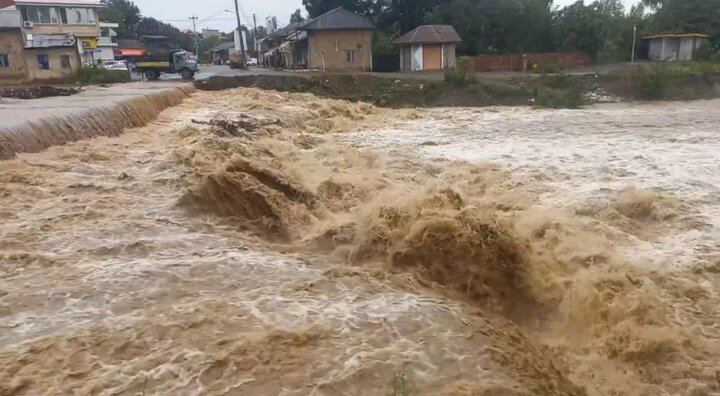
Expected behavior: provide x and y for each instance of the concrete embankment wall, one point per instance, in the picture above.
(34, 125)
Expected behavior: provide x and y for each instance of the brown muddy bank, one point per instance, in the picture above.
(381, 91)
(553, 91)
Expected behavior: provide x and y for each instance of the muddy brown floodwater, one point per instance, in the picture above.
(258, 243)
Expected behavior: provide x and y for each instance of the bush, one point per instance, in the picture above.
(653, 81)
(465, 65)
(559, 98)
(550, 67)
(98, 75)
(708, 53)
(456, 78)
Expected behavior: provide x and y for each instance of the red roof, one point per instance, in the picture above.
(430, 34)
(130, 51)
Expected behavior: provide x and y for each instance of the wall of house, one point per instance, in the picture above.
(103, 53)
(449, 56)
(56, 70)
(406, 58)
(60, 28)
(333, 44)
(686, 48)
(655, 49)
(11, 43)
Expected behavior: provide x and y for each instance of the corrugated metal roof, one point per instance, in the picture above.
(430, 34)
(297, 36)
(675, 35)
(338, 19)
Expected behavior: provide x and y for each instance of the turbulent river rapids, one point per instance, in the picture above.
(252, 242)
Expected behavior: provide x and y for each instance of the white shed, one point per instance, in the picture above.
(675, 46)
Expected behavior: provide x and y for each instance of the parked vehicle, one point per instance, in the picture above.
(252, 62)
(237, 59)
(114, 65)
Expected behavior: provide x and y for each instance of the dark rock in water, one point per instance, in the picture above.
(240, 125)
(38, 92)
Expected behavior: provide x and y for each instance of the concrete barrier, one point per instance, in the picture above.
(36, 124)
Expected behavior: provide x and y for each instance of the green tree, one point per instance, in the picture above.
(493, 26)
(686, 16)
(319, 7)
(126, 14)
(296, 16)
(602, 28)
(154, 27)
(206, 44)
(581, 27)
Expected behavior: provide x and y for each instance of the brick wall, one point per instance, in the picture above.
(488, 63)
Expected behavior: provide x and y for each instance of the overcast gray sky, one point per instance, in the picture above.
(212, 14)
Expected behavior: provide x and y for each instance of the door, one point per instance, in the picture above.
(406, 58)
(432, 57)
(417, 57)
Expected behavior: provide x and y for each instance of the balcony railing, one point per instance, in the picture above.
(106, 42)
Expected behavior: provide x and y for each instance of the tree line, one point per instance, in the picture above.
(602, 28)
(132, 24)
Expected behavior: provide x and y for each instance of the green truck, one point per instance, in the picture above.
(175, 62)
(161, 57)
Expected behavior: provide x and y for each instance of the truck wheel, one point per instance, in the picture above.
(187, 74)
(151, 74)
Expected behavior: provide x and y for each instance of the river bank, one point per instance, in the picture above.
(689, 81)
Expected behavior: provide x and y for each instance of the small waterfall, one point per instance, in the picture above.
(106, 120)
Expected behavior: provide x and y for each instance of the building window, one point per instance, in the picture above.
(350, 56)
(40, 14)
(43, 61)
(78, 16)
(65, 61)
(4, 61)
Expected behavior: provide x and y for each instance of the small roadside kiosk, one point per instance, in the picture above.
(428, 47)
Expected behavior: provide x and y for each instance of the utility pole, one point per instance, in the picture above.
(197, 48)
(255, 38)
(240, 37)
(632, 56)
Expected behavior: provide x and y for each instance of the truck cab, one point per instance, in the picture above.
(184, 65)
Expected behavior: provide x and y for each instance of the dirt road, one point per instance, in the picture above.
(253, 242)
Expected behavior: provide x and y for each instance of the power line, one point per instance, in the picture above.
(204, 20)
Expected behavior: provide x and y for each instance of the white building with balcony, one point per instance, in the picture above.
(55, 21)
(106, 42)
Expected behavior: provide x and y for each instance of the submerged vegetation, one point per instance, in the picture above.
(97, 75)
